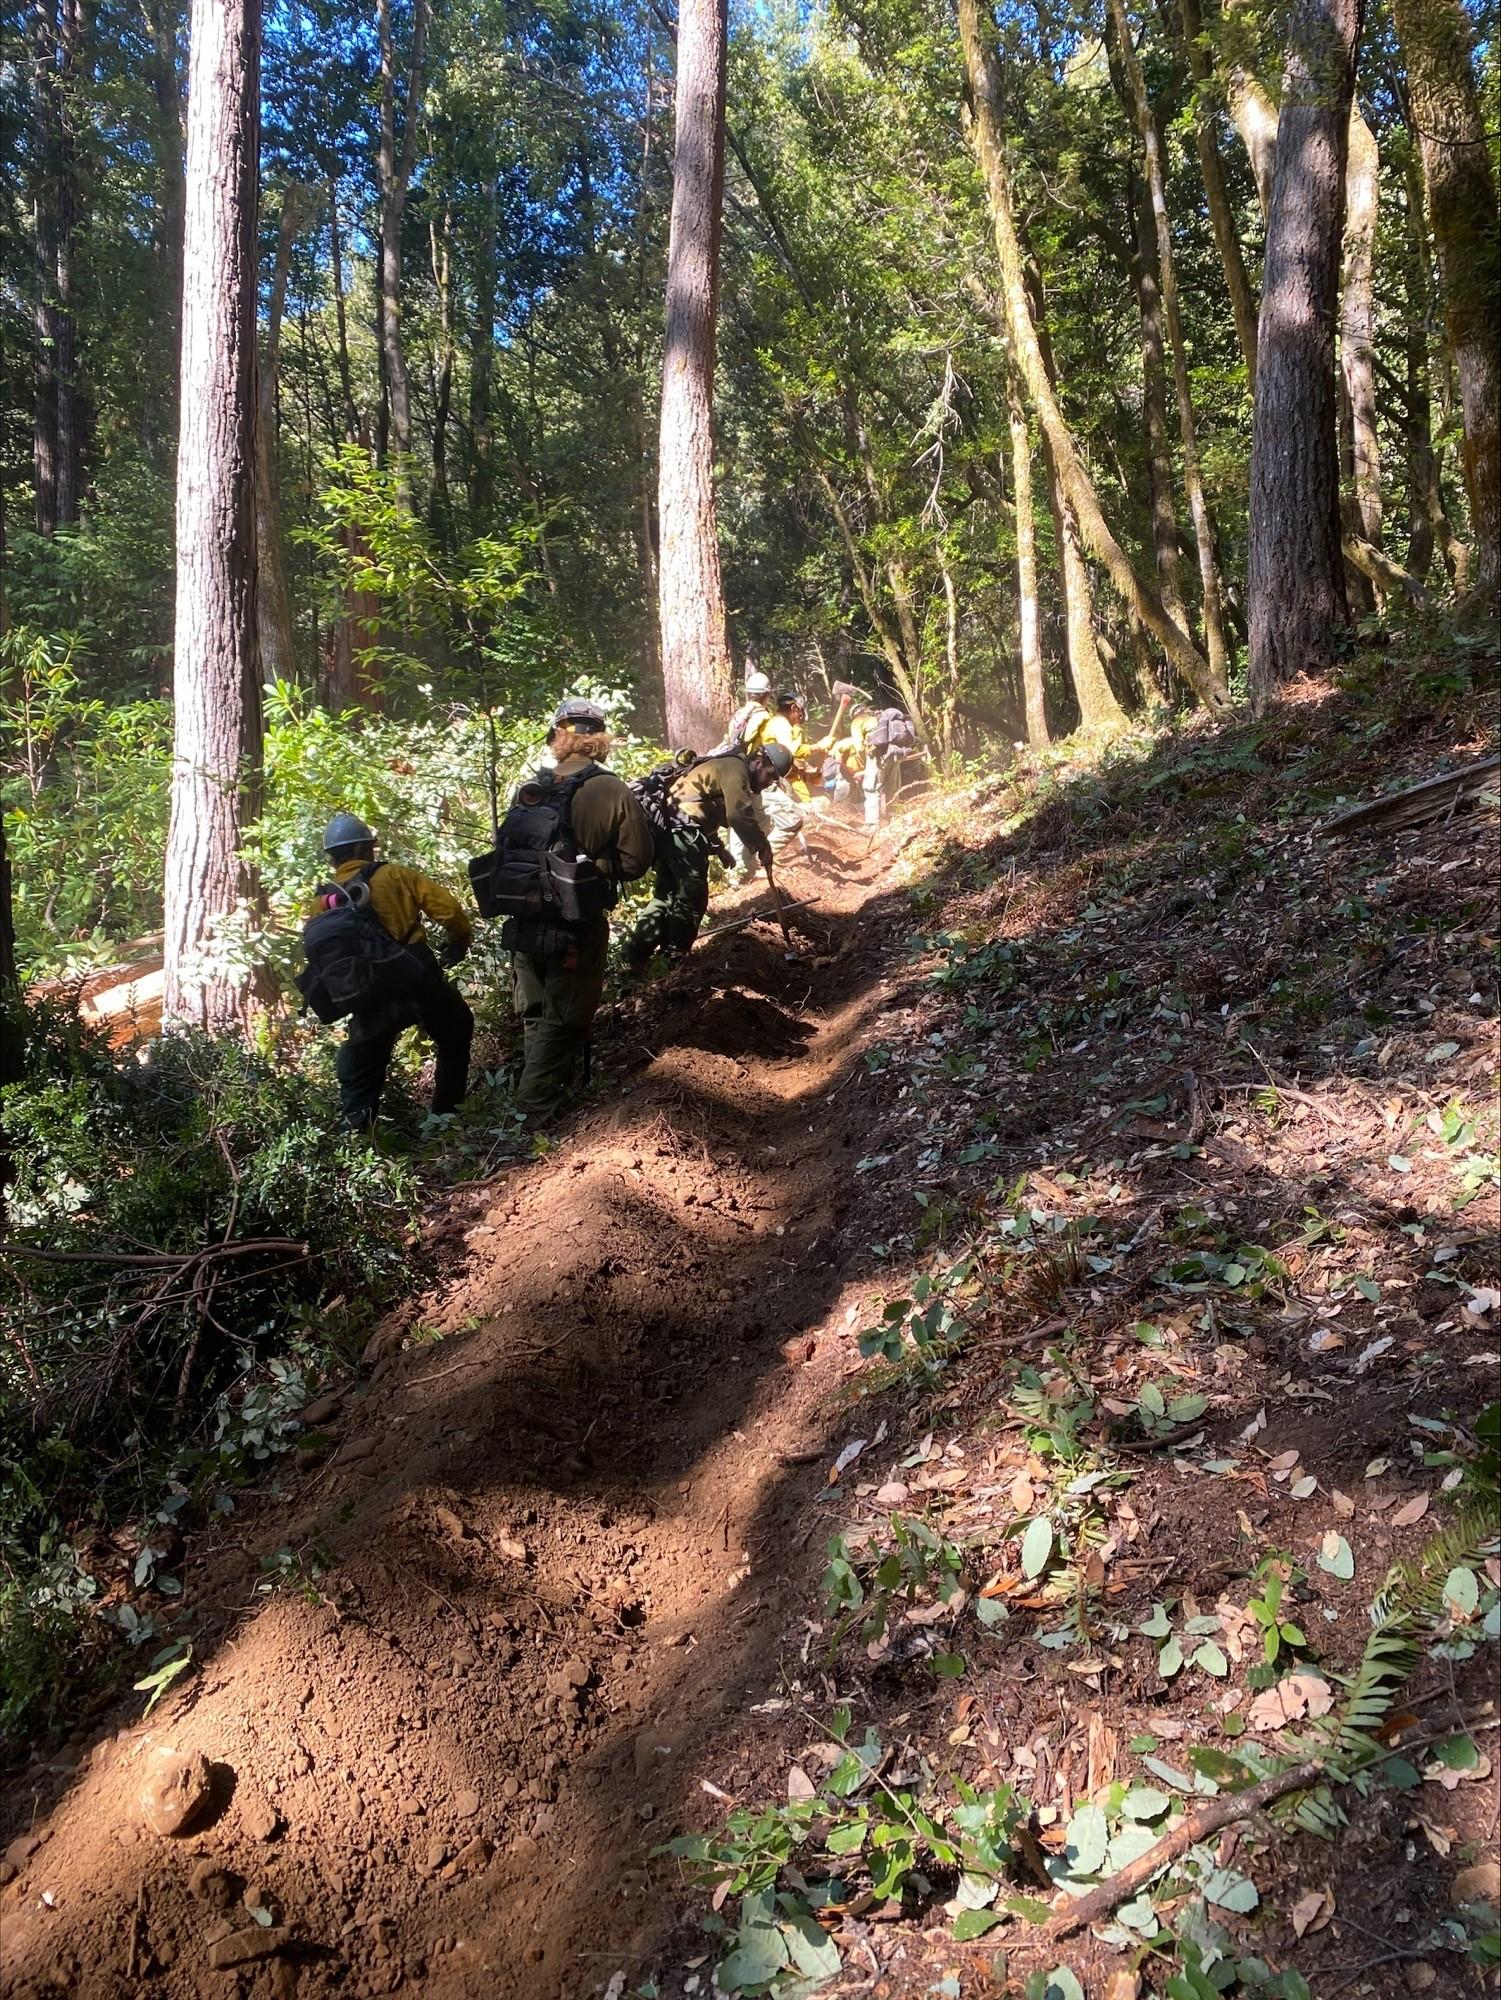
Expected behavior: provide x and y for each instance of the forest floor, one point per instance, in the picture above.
(1201, 1104)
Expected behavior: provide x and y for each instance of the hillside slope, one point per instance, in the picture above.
(1200, 1104)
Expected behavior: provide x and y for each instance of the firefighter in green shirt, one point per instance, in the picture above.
(716, 795)
(557, 994)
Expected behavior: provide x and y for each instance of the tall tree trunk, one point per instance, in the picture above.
(1143, 603)
(1296, 583)
(273, 607)
(440, 514)
(161, 18)
(354, 430)
(1357, 359)
(1212, 169)
(1215, 649)
(394, 176)
(57, 432)
(1154, 407)
(481, 361)
(1033, 699)
(1428, 524)
(695, 652)
(217, 735)
(1254, 117)
(1446, 111)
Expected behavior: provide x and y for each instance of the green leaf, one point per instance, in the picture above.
(1145, 1802)
(1152, 1401)
(813, 1950)
(1231, 1891)
(991, 1611)
(1087, 1838)
(1129, 1842)
(949, 1665)
(1037, 1546)
(1368, 1288)
(975, 1923)
(1062, 1985)
(1457, 1753)
(1462, 1592)
(1031, 1909)
(1157, 1624)
(1170, 1659)
(1212, 1660)
(759, 1955)
(1338, 1560)
(1183, 1409)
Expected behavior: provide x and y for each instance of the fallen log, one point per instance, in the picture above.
(1415, 805)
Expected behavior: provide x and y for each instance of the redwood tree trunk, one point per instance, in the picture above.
(1154, 409)
(695, 655)
(481, 354)
(216, 741)
(1144, 604)
(1446, 110)
(162, 20)
(1296, 582)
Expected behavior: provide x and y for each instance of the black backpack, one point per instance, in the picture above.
(535, 873)
(353, 962)
(893, 731)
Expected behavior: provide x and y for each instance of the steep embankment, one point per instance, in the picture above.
(1199, 1098)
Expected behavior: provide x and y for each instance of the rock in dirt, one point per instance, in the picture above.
(259, 1818)
(212, 1884)
(354, 1451)
(471, 1857)
(322, 1410)
(465, 1805)
(176, 1789)
(245, 1947)
(1480, 1884)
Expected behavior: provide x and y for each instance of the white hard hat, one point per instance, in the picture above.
(756, 682)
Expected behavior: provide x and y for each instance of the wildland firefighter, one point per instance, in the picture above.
(369, 962)
(782, 804)
(573, 834)
(690, 807)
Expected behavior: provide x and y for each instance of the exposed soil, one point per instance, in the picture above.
(561, 1548)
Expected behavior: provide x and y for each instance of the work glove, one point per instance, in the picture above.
(453, 952)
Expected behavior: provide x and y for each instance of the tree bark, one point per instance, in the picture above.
(1254, 117)
(1143, 603)
(695, 652)
(274, 633)
(161, 25)
(1033, 698)
(1154, 407)
(481, 361)
(57, 431)
(1296, 583)
(1357, 359)
(216, 697)
(1446, 111)
(354, 430)
(1215, 649)
(394, 176)
(1428, 524)
(1212, 169)
(440, 513)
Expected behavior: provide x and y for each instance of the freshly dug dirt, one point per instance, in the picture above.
(548, 1561)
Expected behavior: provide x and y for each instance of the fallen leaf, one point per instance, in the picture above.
(1312, 1911)
(1284, 1460)
(1335, 1556)
(1293, 1697)
(1021, 1496)
(1414, 1510)
(800, 1785)
(892, 1494)
(1304, 1489)
(1344, 1506)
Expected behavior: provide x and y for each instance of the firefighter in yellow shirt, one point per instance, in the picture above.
(780, 803)
(400, 898)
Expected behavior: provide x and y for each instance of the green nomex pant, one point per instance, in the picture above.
(680, 897)
(364, 1057)
(557, 999)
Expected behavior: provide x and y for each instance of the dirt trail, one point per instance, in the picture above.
(556, 1539)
